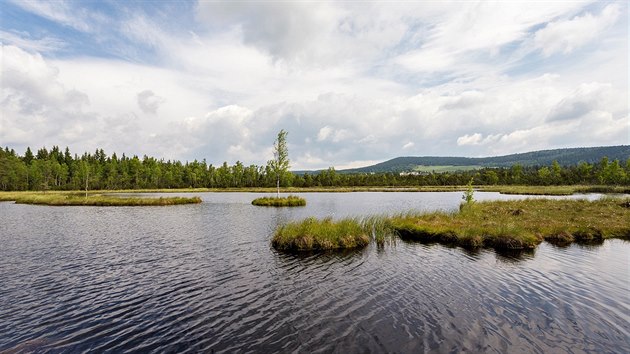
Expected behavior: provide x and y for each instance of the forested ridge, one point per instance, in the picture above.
(61, 170)
(565, 157)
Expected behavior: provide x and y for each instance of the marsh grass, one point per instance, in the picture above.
(289, 201)
(555, 190)
(502, 225)
(313, 234)
(325, 234)
(76, 199)
(519, 224)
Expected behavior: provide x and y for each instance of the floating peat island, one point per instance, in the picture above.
(74, 199)
(518, 224)
(288, 201)
(326, 234)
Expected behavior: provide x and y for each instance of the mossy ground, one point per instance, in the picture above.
(76, 199)
(288, 201)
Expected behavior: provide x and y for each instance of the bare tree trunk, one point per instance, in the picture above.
(87, 176)
(278, 186)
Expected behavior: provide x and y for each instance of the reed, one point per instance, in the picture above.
(289, 201)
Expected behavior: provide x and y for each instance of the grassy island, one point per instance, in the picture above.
(74, 199)
(289, 201)
(519, 224)
(326, 234)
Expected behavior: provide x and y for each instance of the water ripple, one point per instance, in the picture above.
(203, 278)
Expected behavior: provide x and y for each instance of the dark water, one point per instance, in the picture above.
(203, 278)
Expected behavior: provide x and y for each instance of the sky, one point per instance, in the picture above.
(353, 83)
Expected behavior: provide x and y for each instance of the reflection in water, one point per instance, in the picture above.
(202, 278)
(472, 253)
(590, 244)
(514, 256)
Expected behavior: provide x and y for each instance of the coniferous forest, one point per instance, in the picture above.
(55, 169)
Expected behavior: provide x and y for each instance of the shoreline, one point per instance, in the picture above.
(562, 190)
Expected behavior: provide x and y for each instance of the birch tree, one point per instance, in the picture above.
(280, 163)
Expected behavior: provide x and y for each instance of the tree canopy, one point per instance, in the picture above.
(57, 170)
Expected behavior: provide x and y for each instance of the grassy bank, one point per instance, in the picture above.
(289, 201)
(504, 225)
(555, 190)
(295, 189)
(73, 199)
(520, 224)
(326, 234)
(504, 189)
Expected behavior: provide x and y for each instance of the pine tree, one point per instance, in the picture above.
(28, 156)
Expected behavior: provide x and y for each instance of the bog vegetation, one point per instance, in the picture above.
(325, 234)
(288, 201)
(61, 170)
(68, 199)
(520, 224)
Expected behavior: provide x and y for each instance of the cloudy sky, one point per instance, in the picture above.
(353, 83)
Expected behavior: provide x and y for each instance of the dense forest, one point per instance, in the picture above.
(57, 170)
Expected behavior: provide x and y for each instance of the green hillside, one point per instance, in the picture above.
(565, 157)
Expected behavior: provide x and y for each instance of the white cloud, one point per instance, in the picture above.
(36, 106)
(352, 84)
(284, 30)
(429, 60)
(328, 133)
(24, 41)
(565, 36)
(149, 102)
(466, 38)
(474, 139)
(478, 139)
(324, 133)
(62, 12)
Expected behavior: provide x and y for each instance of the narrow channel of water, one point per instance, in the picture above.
(203, 278)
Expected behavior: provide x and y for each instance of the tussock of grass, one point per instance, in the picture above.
(313, 234)
(326, 234)
(289, 201)
(74, 199)
(519, 224)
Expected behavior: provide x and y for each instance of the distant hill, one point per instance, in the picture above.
(571, 156)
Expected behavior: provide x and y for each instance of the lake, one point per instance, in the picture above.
(203, 278)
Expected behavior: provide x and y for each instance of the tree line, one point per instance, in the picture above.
(60, 170)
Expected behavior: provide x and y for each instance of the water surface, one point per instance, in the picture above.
(204, 278)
